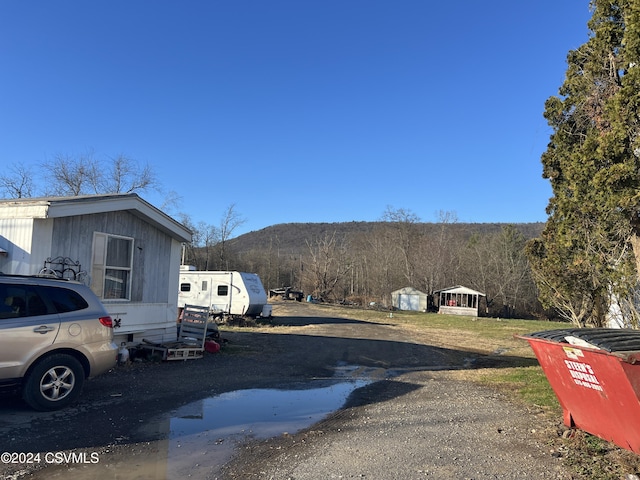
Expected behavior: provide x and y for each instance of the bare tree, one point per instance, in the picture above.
(171, 201)
(405, 222)
(328, 264)
(84, 174)
(380, 261)
(439, 255)
(208, 241)
(231, 220)
(125, 175)
(18, 183)
(69, 176)
(190, 250)
(204, 238)
(209, 236)
(497, 265)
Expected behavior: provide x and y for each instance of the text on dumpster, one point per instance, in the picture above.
(583, 375)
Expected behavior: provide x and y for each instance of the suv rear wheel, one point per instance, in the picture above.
(54, 382)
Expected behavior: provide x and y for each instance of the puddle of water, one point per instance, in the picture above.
(263, 413)
(203, 434)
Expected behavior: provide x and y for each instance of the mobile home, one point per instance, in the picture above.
(125, 249)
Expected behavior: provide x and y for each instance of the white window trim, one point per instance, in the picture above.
(99, 266)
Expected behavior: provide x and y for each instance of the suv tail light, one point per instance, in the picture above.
(106, 321)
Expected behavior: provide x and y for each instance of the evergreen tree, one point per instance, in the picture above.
(584, 255)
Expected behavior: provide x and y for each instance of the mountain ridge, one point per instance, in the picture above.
(291, 238)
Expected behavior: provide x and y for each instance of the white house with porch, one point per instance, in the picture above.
(458, 300)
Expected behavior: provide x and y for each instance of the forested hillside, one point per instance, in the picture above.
(364, 262)
(291, 237)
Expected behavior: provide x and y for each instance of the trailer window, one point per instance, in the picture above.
(223, 290)
(112, 266)
(204, 286)
(185, 287)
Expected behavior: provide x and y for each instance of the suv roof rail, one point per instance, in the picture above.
(35, 275)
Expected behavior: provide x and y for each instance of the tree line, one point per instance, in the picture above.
(365, 265)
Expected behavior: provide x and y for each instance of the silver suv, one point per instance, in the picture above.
(53, 335)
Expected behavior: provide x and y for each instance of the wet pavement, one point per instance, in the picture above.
(198, 438)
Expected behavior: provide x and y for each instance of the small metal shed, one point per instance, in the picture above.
(458, 300)
(408, 298)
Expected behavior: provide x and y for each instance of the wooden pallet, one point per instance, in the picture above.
(184, 353)
(174, 351)
(193, 333)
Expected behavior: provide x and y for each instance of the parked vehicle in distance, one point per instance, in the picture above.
(224, 293)
(54, 334)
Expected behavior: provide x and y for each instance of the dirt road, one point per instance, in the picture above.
(410, 418)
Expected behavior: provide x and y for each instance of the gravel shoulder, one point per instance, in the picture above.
(418, 425)
(419, 420)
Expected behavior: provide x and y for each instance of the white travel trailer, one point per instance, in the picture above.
(225, 293)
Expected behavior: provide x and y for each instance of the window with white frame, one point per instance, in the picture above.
(112, 266)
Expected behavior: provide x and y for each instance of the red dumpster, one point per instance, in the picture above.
(595, 373)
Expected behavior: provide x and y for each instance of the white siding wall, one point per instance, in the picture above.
(28, 244)
(42, 243)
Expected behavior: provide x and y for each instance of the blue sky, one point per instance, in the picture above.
(296, 110)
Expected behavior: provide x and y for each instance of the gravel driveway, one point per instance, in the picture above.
(413, 419)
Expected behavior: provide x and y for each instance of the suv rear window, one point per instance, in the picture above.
(31, 301)
(64, 300)
(21, 301)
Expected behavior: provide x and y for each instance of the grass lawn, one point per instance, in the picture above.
(494, 337)
(491, 336)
